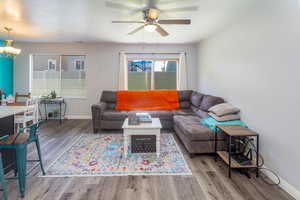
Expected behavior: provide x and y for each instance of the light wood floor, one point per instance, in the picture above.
(208, 182)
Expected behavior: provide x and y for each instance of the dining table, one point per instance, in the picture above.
(7, 127)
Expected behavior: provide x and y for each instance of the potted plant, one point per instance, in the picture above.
(53, 94)
(56, 113)
(50, 114)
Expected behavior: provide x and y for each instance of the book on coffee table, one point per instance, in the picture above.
(144, 117)
(133, 121)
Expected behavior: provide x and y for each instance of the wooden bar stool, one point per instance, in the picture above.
(3, 187)
(19, 143)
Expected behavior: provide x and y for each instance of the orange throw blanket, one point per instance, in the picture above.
(147, 100)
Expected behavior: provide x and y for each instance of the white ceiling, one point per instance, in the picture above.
(90, 20)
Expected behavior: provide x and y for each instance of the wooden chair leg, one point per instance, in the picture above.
(18, 128)
(95, 130)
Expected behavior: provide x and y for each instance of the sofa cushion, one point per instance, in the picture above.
(183, 112)
(191, 127)
(201, 113)
(194, 108)
(196, 98)
(109, 96)
(184, 104)
(184, 95)
(114, 115)
(162, 114)
(209, 101)
(111, 106)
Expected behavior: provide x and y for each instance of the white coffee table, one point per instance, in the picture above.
(142, 129)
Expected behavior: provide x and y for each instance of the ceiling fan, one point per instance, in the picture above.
(152, 22)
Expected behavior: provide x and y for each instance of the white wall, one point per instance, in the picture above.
(102, 66)
(255, 65)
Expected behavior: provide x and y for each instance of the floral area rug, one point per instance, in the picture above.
(102, 155)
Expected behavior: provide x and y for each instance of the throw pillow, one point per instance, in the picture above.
(196, 98)
(225, 117)
(209, 101)
(223, 109)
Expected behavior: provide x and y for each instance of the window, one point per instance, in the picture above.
(66, 74)
(152, 74)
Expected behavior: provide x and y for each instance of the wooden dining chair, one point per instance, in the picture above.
(31, 115)
(19, 98)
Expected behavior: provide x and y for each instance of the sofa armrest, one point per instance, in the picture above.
(97, 110)
(99, 106)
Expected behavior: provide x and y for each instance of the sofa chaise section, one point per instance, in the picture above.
(196, 137)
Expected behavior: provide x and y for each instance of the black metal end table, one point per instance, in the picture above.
(233, 131)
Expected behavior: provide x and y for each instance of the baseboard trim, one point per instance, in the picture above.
(78, 117)
(294, 192)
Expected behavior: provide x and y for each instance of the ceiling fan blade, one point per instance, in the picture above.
(138, 14)
(152, 3)
(175, 21)
(190, 8)
(161, 31)
(136, 30)
(136, 2)
(119, 6)
(127, 22)
(153, 13)
(171, 2)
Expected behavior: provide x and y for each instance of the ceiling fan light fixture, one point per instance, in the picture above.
(150, 27)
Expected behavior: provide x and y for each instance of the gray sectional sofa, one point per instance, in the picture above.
(185, 121)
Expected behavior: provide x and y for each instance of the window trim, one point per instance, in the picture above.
(168, 59)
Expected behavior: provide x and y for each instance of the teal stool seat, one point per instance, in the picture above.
(19, 143)
(3, 187)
